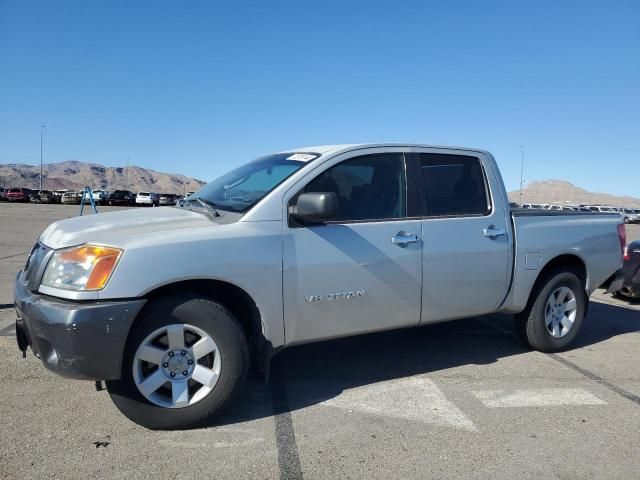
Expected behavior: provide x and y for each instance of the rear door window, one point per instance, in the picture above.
(452, 185)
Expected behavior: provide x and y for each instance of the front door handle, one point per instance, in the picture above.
(493, 232)
(402, 239)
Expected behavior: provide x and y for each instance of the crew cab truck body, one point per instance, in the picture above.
(172, 306)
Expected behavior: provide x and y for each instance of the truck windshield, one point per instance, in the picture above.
(242, 188)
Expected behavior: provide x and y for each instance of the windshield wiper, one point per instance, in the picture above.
(209, 205)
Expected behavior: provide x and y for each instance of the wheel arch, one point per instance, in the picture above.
(568, 261)
(239, 302)
(564, 262)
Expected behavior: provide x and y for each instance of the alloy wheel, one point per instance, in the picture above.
(560, 312)
(176, 366)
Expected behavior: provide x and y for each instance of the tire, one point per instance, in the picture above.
(532, 322)
(197, 313)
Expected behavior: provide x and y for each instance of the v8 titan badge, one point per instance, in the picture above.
(336, 296)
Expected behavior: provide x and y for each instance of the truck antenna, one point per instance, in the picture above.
(521, 171)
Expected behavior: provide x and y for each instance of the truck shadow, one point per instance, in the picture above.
(307, 375)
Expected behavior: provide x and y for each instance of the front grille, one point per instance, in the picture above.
(34, 267)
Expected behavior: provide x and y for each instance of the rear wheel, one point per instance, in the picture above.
(185, 359)
(554, 314)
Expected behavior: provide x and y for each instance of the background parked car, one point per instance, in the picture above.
(100, 197)
(631, 270)
(45, 196)
(122, 197)
(18, 194)
(630, 215)
(167, 199)
(147, 198)
(602, 209)
(57, 195)
(70, 198)
(531, 206)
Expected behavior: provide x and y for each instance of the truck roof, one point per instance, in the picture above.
(327, 149)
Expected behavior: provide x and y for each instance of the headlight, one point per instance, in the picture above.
(87, 267)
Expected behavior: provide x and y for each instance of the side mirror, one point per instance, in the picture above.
(315, 207)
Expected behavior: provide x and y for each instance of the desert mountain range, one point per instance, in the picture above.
(561, 193)
(76, 175)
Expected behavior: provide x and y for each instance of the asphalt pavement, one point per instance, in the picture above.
(463, 399)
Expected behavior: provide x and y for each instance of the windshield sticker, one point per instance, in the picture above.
(302, 157)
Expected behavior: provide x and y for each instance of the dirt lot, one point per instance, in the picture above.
(458, 400)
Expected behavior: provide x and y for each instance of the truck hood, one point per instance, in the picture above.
(103, 227)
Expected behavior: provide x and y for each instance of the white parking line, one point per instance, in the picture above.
(413, 398)
(541, 397)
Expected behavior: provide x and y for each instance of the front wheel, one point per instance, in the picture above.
(184, 360)
(555, 312)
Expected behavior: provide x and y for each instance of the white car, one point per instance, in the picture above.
(100, 196)
(630, 215)
(532, 206)
(147, 198)
(57, 195)
(601, 209)
(70, 198)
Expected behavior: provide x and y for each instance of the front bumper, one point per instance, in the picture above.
(83, 340)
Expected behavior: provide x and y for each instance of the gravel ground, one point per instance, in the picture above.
(458, 400)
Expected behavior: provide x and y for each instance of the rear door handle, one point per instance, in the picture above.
(492, 232)
(403, 239)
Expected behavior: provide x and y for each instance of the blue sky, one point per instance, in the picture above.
(198, 87)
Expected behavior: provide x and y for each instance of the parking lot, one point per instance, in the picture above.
(458, 400)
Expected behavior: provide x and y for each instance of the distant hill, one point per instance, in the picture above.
(561, 192)
(76, 175)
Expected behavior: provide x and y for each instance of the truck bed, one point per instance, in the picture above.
(537, 212)
(543, 235)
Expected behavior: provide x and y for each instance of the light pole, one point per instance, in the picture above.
(521, 171)
(42, 127)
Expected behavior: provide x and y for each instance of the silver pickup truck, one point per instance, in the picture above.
(172, 306)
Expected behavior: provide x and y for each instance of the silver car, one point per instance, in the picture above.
(172, 306)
